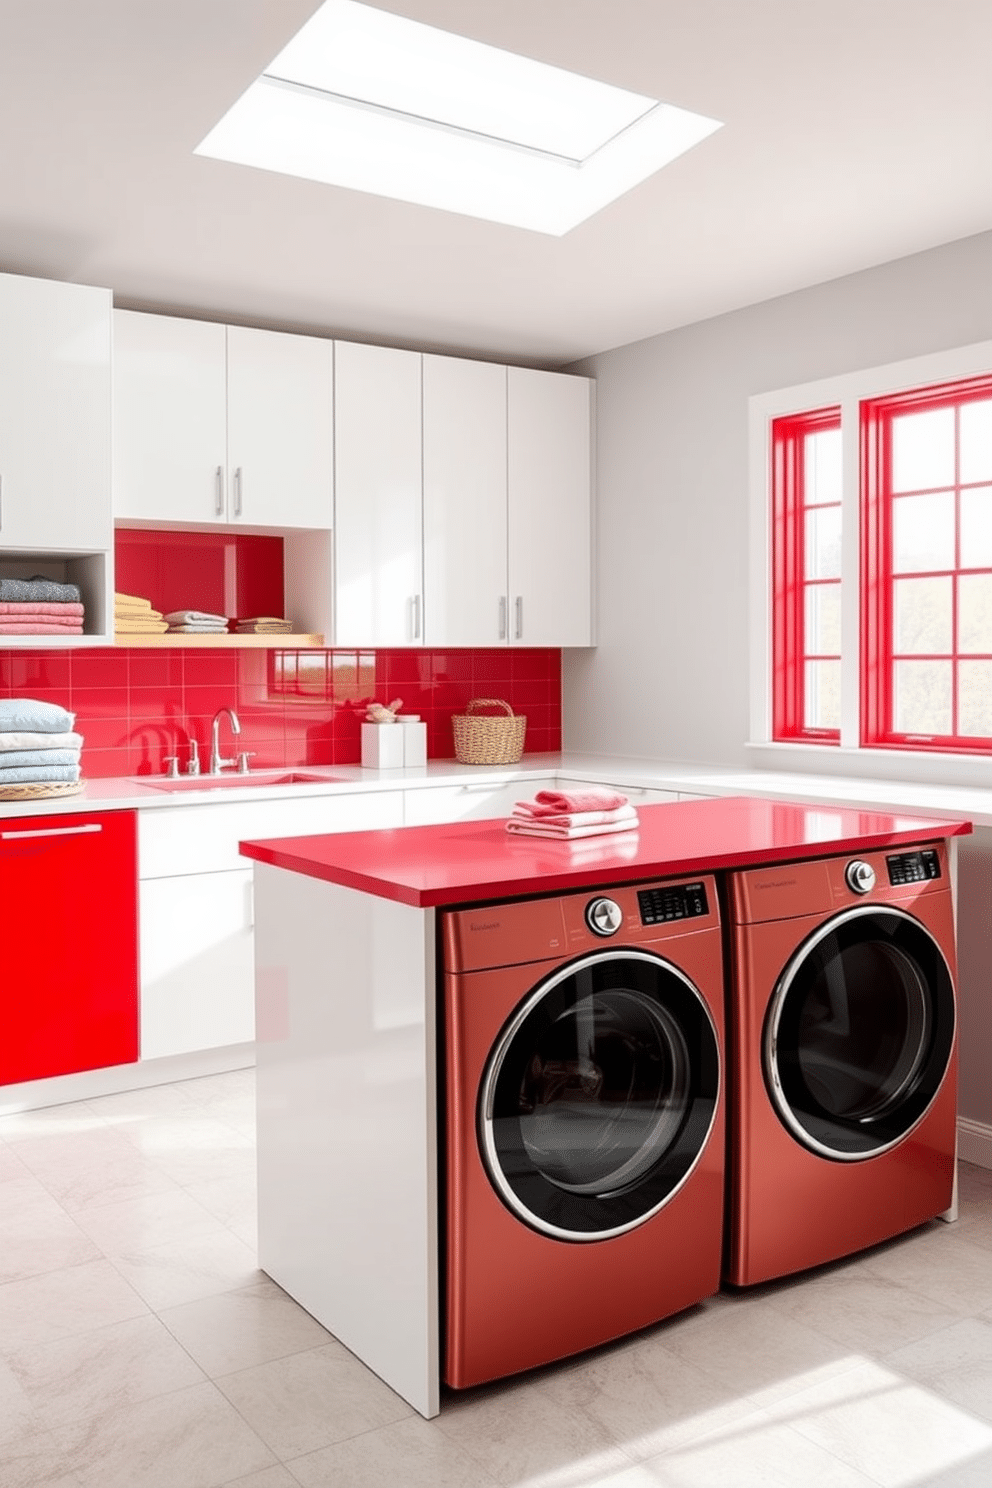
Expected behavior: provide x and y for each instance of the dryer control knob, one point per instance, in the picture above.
(604, 916)
(860, 877)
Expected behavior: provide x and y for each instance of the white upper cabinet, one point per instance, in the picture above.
(465, 595)
(280, 446)
(378, 535)
(549, 514)
(55, 416)
(170, 419)
(217, 424)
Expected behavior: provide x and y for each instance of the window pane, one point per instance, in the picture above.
(975, 698)
(975, 613)
(821, 478)
(923, 450)
(822, 695)
(976, 441)
(921, 703)
(822, 620)
(923, 533)
(976, 528)
(822, 556)
(922, 615)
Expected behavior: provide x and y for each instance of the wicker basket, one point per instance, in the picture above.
(482, 740)
(40, 790)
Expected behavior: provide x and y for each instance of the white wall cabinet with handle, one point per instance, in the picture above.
(218, 425)
(549, 508)
(378, 531)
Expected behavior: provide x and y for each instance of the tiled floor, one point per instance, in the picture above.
(141, 1348)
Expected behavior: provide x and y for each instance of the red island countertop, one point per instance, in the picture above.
(464, 862)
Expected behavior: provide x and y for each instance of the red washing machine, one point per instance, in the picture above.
(584, 1120)
(844, 1060)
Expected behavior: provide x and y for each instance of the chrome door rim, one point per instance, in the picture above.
(494, 1065)
(774, 1015)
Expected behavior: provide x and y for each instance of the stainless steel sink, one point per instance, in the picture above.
(234, 781)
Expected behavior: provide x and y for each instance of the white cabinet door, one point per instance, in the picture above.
(55, 416)
(464, 503)
(549, 508)
(197, 963)
(279, 428)
(170, 419)
(378, 569)
(477, 800)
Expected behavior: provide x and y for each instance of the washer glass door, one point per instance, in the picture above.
(859, 1033)
(599, 1095)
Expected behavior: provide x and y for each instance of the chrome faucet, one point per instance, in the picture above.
(217, 760)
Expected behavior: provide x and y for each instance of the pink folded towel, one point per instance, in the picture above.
(572, 818)
(29, 626)
(39, 607)
(521, 828)
(566, 803)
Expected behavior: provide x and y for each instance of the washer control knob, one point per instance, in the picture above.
(860, 877)
(604, 916)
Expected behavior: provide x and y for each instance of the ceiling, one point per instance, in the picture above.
(855, 133)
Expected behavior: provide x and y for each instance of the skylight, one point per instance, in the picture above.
(378, 103)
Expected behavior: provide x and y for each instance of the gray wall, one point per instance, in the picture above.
(669, 677)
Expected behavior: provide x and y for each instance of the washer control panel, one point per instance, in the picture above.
(672, 902)
(604, 916)
(913, 867)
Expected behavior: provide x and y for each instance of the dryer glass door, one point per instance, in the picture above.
(859, 1033)
(599, 1095)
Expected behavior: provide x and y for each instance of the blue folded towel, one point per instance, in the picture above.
(39, 589)
(28, 774)
(31, 715)
(14, 759)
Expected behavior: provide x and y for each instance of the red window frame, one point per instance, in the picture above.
(877, 657)
(789, 583)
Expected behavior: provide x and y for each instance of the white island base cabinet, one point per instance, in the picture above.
(347, 1120)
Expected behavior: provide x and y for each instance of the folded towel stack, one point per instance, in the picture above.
(39, 606)
(196, 622)
(573, 815)
(265, 625)
(37, 743)
(135, 616)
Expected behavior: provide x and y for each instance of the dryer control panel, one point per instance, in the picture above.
(672, 902)
(913, 867)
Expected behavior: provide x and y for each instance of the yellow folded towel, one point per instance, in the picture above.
(131, 602)
(131, 626)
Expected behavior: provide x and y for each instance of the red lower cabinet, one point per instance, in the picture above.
(69, 911)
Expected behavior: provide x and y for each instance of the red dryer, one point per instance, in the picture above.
(844, 1061)
(584, 1124)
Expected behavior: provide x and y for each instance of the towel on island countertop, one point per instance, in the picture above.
(31, 714)
(572, 818)
(566, 803)
(29, 774)
(39, 588)
(520, 828)
(13, 741)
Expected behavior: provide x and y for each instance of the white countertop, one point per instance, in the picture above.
(965, 803)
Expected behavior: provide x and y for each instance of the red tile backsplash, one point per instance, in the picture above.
(134, 706)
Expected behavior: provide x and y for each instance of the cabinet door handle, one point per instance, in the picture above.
(415, 617)
(55, 831)
(237, 491)
(502, 617)
(519, 624)
(219, 492)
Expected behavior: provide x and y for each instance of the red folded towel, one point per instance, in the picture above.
(567, 803)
